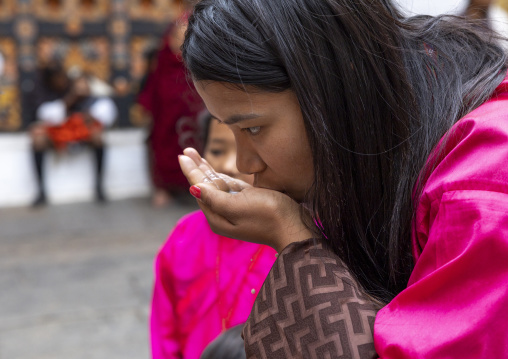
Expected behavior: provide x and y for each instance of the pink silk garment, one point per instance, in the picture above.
(204, 283)
(456, 302)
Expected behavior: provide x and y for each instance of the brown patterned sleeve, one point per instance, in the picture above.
(310, 307)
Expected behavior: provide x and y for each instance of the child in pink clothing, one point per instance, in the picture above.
(204, 283)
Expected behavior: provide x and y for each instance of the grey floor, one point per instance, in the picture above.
(75, 280)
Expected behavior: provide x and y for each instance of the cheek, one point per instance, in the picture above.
(290, 158)
(212, 160)
(285, 153)
(306, 164)
(220, 164)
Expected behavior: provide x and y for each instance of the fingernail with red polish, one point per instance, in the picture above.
(195, 191)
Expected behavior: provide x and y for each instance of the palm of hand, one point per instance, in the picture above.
(236, 209)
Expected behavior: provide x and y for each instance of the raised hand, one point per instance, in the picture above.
(198, 170)
(237, 210)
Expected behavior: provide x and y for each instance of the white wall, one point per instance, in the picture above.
(432, 7)
(70, 177)
(497, 16)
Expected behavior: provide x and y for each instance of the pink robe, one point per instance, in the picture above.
(456, 302)
(204, 283)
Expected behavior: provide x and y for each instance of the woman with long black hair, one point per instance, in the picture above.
(382, 138)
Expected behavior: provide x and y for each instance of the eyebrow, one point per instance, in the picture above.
(237, 118)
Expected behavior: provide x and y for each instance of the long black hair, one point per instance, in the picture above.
(377, 91)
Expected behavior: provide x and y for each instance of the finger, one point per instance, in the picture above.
(196, 174)
(193, 173)
(235, 185)
(208, 170)
(193, 154)
(214, 177)
(239, 182)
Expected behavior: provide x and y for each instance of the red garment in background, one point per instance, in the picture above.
(174, 105)
(74, 129)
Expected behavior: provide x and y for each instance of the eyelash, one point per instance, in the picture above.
(249, 130)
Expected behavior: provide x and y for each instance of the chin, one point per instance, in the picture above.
(297, 196)
(258, 184)
(291, 195)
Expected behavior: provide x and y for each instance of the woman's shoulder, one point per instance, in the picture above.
(473, 155)
(493, 113)
(470, 162)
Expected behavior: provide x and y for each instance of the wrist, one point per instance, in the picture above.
(292, 235)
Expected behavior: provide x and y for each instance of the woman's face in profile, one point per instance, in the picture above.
(220, 151)
(270, 135)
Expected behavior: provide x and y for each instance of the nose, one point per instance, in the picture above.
(248, 160)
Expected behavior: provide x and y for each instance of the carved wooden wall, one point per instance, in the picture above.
(106, 38)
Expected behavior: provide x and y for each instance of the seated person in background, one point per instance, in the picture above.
(204, 283)
(68, 112)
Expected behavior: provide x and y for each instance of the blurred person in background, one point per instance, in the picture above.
(204, 283)
(150, 57)
(503, 4)
(69, 111)
(492, 14)
(173, 105)
(478, 9)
